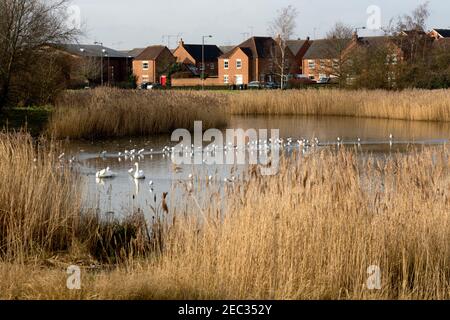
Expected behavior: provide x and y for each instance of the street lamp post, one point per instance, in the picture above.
(101, 61)
(203, 60)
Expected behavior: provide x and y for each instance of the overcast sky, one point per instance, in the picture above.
(126, 24)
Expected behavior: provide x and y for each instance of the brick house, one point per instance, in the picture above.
(322, 56)
(439, 33)
(299, 49)
(152, 63)
(253, 60)
(191, 55)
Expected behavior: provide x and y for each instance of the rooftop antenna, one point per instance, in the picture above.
(251, 30)
(169, 38)
(245, 35)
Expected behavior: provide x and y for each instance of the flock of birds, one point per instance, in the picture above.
(253, 146)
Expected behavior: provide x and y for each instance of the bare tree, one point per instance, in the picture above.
(282, 28)
(337, 42)
(26, 26)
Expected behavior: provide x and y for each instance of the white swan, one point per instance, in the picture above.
(105, 174)
(138, 174)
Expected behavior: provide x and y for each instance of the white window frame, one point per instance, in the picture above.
(226, 79)
(145, 63)
(238, 64)
(311, 64)
(226, 64)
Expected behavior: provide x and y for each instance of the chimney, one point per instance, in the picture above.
(308, 38)
(181, 43)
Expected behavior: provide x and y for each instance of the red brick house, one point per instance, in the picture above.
(439, 33)
(322, 56)
(191, 55)
(152, 63)
(253, 60)
(299, 49)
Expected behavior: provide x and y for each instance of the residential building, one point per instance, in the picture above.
(152, 64)
(133, 53)
(192, 54)
(299, 48)
(90, 60)
(439, 33)
(323, 56)
(256, 59)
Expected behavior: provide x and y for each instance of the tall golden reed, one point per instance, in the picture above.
(39, 199)
(310, 232)
(430, 105)
(108, 112)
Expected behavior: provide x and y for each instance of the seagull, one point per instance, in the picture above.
(150, 183)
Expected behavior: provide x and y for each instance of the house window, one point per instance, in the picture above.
(226, 79)
(335, 63)
(238, 64)
(211, 66)
(311, 76)
(311, 64)
(145, 65)
(226, 64)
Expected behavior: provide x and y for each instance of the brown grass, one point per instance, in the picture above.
(108, 112)
(309, 232)
(405, 105)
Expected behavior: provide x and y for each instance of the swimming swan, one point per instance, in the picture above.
(105, 174)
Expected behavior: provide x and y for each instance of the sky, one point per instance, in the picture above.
(127, 24)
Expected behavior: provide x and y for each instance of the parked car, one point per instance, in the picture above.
(154, 86)
(324, 80)
(255, 85)
(144, 85)
(271, 85)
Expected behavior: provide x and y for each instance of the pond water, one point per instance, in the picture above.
(123, 195)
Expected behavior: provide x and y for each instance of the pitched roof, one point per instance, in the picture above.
(445, 33)
(326, 48)
(256, 47)
(150, 53)
(92, 50)
(296, 45)
(133, 52)
(212, 52)
(226, 49)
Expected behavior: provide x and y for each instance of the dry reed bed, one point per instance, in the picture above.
(109, 112)
(38, 200)
(309, 232)
(41, 213)
(430, 105)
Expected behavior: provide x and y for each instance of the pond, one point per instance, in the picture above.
(123, 195)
